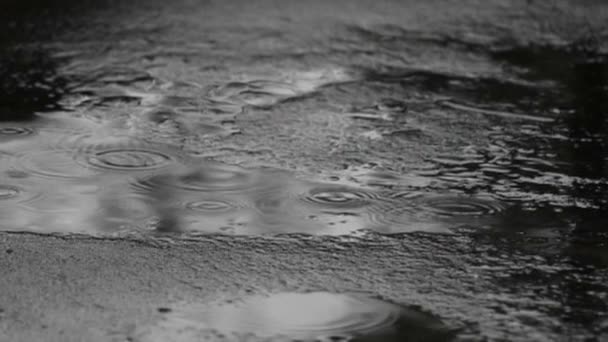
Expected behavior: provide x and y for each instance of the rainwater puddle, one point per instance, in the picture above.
(175, 193)
(375, 127)
(130, 138)
(315, 316)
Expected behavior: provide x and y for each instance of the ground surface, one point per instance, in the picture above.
(472, 132)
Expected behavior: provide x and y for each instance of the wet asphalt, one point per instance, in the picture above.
(281, 170)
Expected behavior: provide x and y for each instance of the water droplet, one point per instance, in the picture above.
(128, 159)
(339, 197)
(318, 316)
(15, 131)
(210, 206)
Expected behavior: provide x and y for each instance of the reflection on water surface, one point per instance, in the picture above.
(115, 120)
(316, 316)
(95, 133)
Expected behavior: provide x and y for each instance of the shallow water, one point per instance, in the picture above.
(153, 119)
(316, 316)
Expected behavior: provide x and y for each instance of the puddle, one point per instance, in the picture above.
(128, 159)
(172, 195)
(130, 132)
(211, 206)
(315, 316)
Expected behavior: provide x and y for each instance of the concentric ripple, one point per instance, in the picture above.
(318, 316)
(211, 206)
(127, 159)
(52, 164)
(15, 131)
(339, 197)
(18, 194)
(8, 192)
(461, 206)
(210, 177)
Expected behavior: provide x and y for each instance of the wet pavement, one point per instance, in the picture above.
(478, 128)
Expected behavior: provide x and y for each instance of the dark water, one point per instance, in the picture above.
(154, 119)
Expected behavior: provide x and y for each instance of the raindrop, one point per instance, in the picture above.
(15, 131)
(339, 197)
(210, 206)
(125, 159)
(123, 153)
